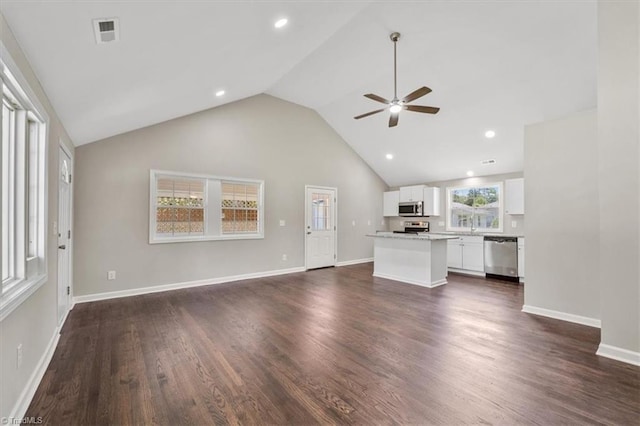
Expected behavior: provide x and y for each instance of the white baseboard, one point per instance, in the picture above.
(355, 261)
(20, 409)
(591, 322)
(175, 286)
(619, 354)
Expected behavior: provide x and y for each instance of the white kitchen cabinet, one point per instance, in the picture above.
(454, 254)
(432, 201)
(411, 193)
(466, 253)
(521, 258)
(514, 196)
(390, 202)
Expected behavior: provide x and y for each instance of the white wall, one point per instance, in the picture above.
(260, 137)
(561, 195)
(33, 323)
(438, 223)
(618, 151)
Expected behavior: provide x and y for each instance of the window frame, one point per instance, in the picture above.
(500, 228)
(30, 272)
(209, 206)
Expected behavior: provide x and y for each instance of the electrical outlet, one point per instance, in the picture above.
(369, 222)
(440, 223)
(514, 224)
(19, 356)
(282, 222)
(284, 257)
(382, 222)
(111, 275)
(353, 223)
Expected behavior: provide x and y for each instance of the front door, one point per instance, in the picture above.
(321, 229)
(64, 234)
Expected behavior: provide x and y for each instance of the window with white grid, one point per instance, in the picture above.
(194, 207)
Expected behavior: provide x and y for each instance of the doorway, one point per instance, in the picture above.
(321, 240)
(65, 167)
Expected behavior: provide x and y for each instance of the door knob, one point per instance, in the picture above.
(62, 247)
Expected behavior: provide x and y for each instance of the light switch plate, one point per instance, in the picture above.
(282, 222)
(514, 224)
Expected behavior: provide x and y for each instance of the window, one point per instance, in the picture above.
(23, 190)
(475, 208)
(191, 207)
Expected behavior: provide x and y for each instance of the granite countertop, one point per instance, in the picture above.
(477, 234)
(424, 236)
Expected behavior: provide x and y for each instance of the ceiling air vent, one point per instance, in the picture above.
(486, 162)
(106, 30)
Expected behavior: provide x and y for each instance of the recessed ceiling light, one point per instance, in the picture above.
(489, 134)
(281, 23)
(470, 173)
(219, 93)
(389, 156)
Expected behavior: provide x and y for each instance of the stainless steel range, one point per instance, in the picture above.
(413, 227)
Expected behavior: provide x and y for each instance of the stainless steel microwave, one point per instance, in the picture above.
(411, 209)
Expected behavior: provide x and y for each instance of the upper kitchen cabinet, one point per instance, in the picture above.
(514, 196)
(411, 193)
(390, 202)
(431, 201)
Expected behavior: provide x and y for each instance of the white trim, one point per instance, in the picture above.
(564, 316)
(410, 281)
(11, 301)
(619, 354)
(20, 408)
(354, 261)
(187, 284)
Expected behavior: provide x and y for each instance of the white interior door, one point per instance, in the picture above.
(321, 229)
(64, 234)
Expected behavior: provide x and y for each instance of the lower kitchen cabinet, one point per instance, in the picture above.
(466, 254)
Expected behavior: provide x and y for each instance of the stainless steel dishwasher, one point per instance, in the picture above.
(501, 256)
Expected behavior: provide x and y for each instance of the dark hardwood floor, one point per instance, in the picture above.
(331, 346)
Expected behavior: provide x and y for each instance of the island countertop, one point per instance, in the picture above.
(423, 236)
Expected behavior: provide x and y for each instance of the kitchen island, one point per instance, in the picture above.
(415, 259)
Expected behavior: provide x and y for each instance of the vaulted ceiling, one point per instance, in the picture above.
(491, 65)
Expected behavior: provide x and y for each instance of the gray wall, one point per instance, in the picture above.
(561, 195)
(261, 137)
(33, 323)
(438, 223)
(618, 150)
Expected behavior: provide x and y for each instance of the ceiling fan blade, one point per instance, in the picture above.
(424, 90)
(377, 98)
(419, 108)
(369, 113)
(393, 119)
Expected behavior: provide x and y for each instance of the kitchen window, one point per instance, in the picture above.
(23, 190)
(475, 208)
(194, 207)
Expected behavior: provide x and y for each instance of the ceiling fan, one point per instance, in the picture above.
(396, 105)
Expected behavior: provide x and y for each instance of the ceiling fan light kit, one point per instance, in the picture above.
(396, 105)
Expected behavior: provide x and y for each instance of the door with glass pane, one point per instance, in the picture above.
(64, 234)
(320, 227)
